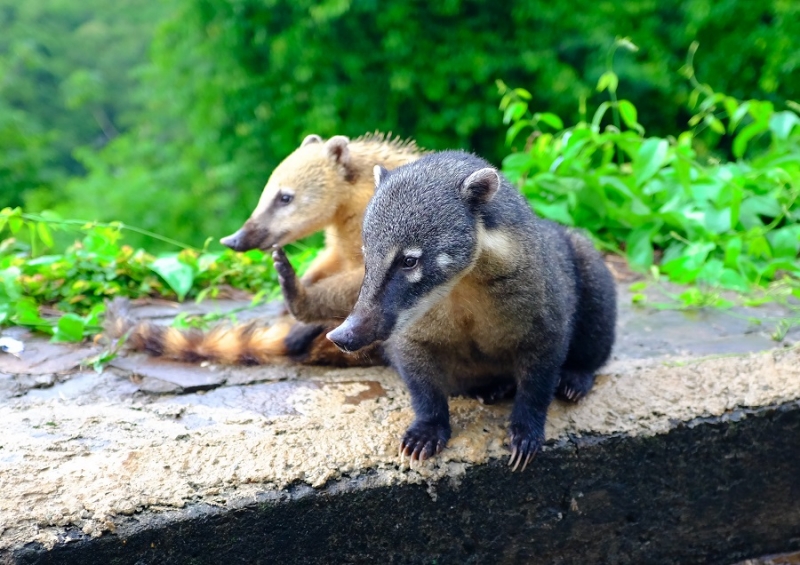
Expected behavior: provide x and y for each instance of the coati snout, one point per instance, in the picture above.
(301, 196)
(249, 237)
(470, 290)
(357, 332)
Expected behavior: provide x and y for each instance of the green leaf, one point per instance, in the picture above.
(608, 80)
(652, 155)
(514, 130)
(759, 247)
(44, 234)
(732, 251)
(744, 137)
(714, 123)
(639, 248)
(178, 275)
(737, 116)
(628, 113)
(733, 280)
(558, 212)
(785, 241)
(782, 124)
(15, 223)
(514, 111)
(69, 328)
(550, 119)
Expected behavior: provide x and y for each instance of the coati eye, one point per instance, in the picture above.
(285, 197)
(410, 262)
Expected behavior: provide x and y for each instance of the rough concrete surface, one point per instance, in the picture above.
(159, 462)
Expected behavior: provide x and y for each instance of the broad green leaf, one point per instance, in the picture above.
(178, 275)
(785, 241)
(753, 208)
(69, 328)
(558, 212)
(514, 111)
(782, 123)
(717, 221)
(651, 157)
(759, 247)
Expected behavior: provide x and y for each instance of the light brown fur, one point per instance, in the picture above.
(331, 183)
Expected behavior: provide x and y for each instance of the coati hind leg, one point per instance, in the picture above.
(329, 298)
(594, 322)
(574, 385)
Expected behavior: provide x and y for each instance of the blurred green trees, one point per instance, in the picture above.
(231, 86)
(69, 71)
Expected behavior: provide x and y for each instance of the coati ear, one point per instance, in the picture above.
(480, 186)
(380, 173)
(336, 147)
(313, 138)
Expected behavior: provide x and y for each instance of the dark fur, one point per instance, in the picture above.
(536, 309)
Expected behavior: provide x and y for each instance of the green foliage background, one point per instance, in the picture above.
(170, 115)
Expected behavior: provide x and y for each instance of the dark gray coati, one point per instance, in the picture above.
(470, 291)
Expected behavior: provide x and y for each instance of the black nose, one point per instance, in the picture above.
(352, 335)
(342, 337)
(235, 241)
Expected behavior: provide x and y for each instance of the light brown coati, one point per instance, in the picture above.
(470, 292)
(322, 185)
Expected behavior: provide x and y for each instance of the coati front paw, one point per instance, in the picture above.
(524, 443)
(424, 440)
(287, 277)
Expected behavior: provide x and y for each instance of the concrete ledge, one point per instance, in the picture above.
(709, 491)
(685, 452)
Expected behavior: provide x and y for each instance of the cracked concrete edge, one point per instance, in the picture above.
(330, 439)
(580, 506)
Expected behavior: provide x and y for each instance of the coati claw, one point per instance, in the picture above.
(423, 441)
(574, 385)
(524, 447)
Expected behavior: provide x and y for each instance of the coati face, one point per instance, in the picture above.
(420, 237)
(300, 198)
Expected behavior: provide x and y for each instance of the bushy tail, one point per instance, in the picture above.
(241, 344)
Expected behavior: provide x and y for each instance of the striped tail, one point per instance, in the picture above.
(241, 344)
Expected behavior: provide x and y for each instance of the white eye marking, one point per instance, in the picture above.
(443, 260)
(415, 275)
(413, 252)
